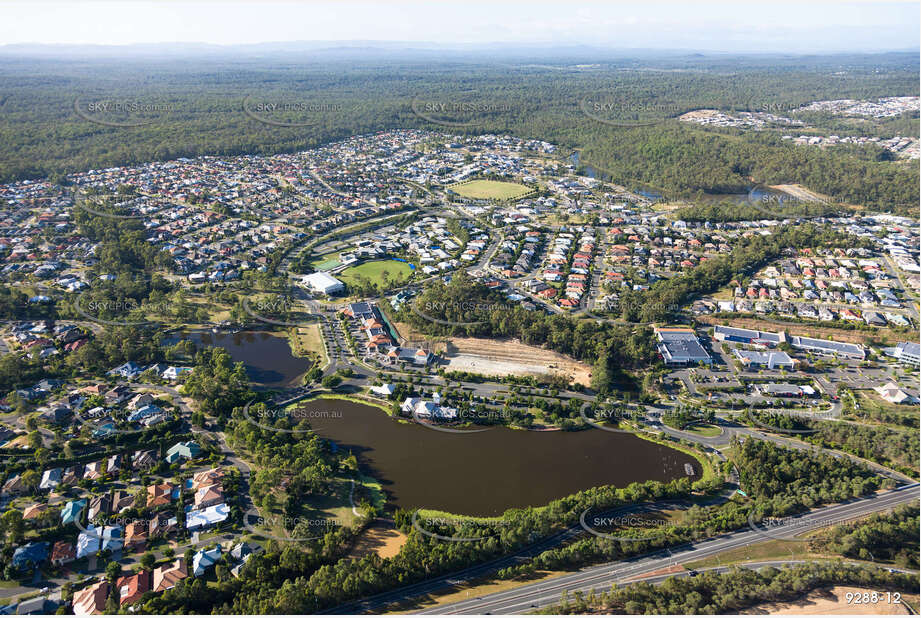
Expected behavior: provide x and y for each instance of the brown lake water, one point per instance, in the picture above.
(267, 358)
(488, 472)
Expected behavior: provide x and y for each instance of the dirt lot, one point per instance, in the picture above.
(848, 336)
(380, 538)
(501, 358)
(829, 602)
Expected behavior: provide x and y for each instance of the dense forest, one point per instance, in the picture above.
(205, 106)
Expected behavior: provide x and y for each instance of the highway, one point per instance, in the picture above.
(438, 583)
(541, 594)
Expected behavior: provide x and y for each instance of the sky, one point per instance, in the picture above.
(738, 26)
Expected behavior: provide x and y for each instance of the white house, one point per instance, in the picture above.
(204, 518)
(205, 559)
(384, 389)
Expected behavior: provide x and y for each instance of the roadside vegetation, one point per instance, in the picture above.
(735, 591)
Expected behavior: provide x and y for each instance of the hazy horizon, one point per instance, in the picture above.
(714, 27)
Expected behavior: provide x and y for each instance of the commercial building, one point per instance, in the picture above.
(680, 346)
(744, 335)
(908, 352)
(323, 284)
(828, 348)
(785, 390)
(768, 360)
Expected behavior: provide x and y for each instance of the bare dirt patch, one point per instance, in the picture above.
(669, 570)
(829, 602)
(501, 358)
(379, 538)
(801, 193)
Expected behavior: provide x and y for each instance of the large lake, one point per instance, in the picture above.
(488, 472)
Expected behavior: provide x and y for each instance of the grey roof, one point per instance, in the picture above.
(683, 350)
(836, 347)
(764, 358)
(745, 333)
(780, 389)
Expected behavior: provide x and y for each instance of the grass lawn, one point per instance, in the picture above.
(374, 270)
(875, 409)
(783, 550)
(307, 342)
(490, 190)
(372, 489)
(333, 507)
(705, 430)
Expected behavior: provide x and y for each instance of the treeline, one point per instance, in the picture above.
(680, 160)
(217, 384)
(725, 210)
(731, 593)
(423, 557)
(889, 537)
(791, 480)
(466, 308)
(894, 448)
(123, 242)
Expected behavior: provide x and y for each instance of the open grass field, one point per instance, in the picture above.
(375, 269)
(333, 507)
(490, 190)
(307, 342)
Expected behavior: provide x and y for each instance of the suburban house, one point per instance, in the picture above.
(133, 587)
(91, 600)
(63, 552)
(182, 450)
(205, 559)
(168, 575)
(206, 517)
